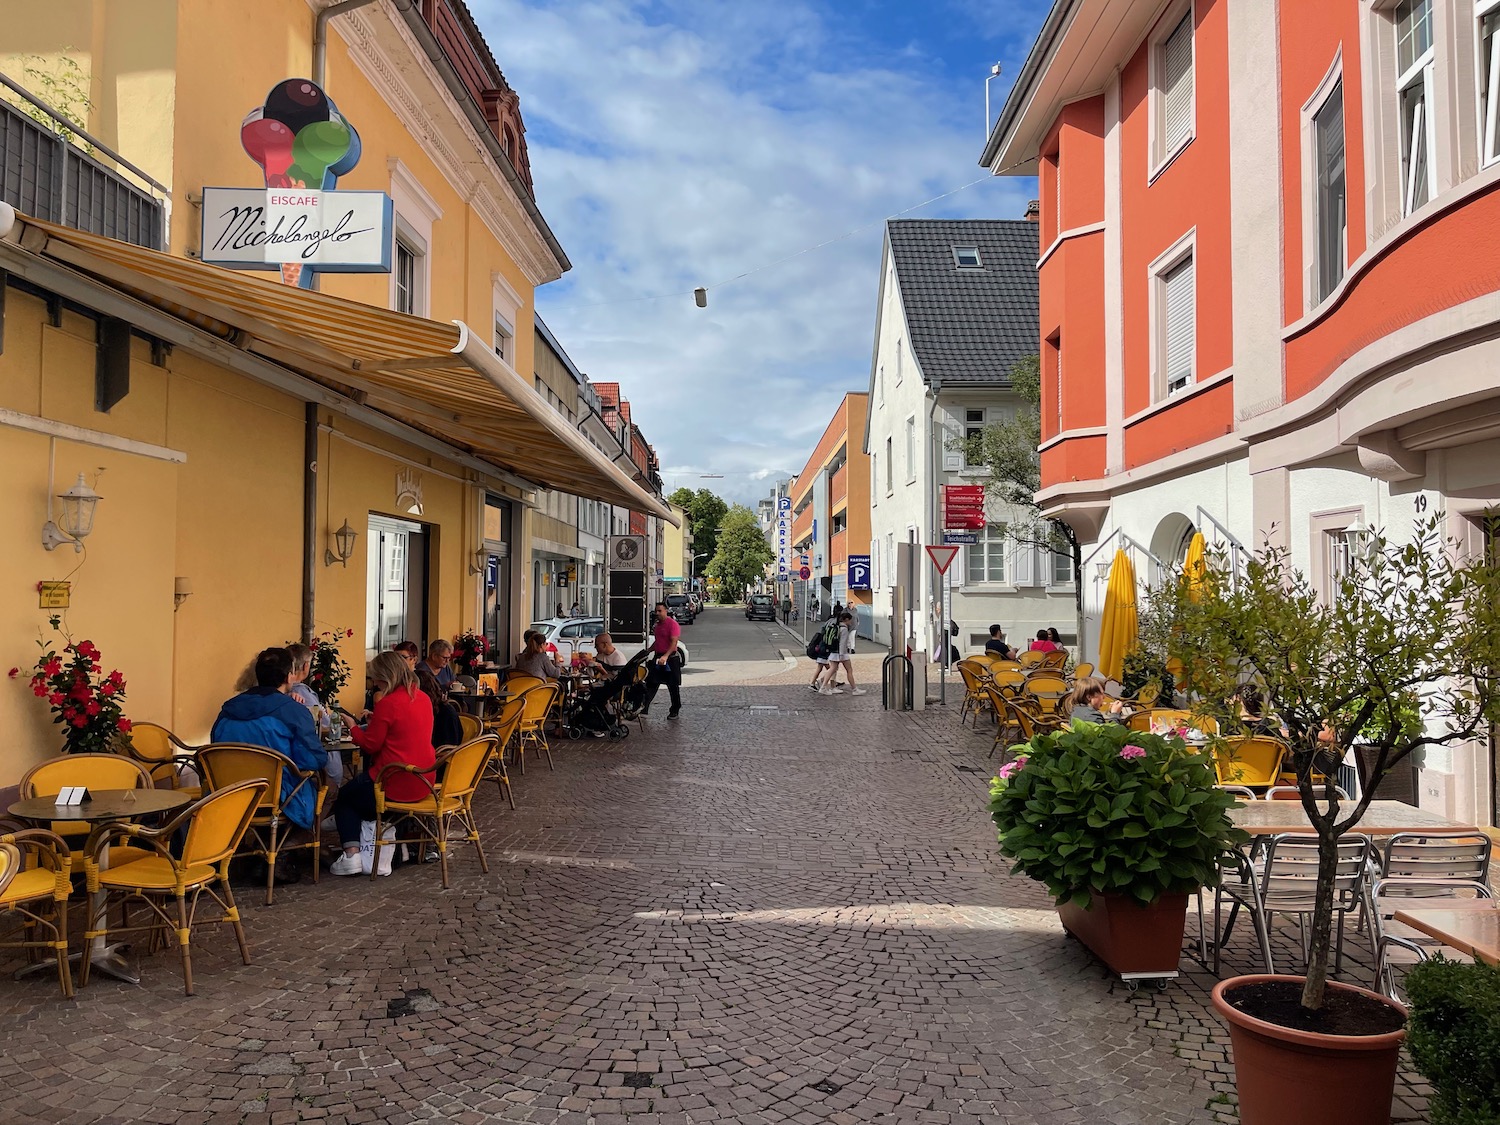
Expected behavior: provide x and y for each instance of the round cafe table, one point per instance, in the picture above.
(104, 805)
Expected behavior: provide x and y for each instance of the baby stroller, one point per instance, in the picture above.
(607, 707)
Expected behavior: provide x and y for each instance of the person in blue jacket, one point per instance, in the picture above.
(267, 716)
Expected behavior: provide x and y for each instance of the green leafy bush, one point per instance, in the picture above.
(1455, 1039)
(1098, 809)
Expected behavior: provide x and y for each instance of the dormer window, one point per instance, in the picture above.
(967, 257)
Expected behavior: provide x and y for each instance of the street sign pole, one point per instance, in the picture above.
(942, 558)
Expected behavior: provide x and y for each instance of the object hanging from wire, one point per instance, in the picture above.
(700, 297)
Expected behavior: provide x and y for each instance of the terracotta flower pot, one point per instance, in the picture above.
(1129, 937)
(1291, 1077)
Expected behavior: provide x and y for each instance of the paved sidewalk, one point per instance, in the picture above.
(778, 908)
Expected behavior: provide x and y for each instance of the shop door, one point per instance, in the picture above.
(396, 585)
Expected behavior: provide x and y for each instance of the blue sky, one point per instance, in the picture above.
(677, 144)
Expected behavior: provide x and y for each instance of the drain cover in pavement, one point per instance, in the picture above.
(763, 708)
(638, 1081)
(825, 1086)
(970, 769)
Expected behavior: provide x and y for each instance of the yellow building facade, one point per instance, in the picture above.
(248, 436)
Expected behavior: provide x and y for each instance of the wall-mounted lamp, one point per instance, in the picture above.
(344, 539)
(480, 561)
(1101, 568)
(75, 519)
(182, 590)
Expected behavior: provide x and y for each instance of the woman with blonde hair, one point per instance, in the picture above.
(397, 732)
(1084, 700)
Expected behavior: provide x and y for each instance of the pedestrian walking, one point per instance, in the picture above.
(786, 610)
(666, 661)
(843, 655)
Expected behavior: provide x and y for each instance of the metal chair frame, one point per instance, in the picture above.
(451, 782)
(23, 889)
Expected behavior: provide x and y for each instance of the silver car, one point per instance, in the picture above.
(567, 635)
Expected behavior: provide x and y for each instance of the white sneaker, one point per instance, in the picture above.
(346, 865)
(859, 691)
(826, 691)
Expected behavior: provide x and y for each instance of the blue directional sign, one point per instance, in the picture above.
(783, 503)
(859, 572)
(961, 538)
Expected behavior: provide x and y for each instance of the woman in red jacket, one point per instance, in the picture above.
(398, 731)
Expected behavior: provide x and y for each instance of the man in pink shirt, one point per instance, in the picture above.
(666, 662)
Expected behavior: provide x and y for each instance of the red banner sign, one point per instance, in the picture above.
(963, 507)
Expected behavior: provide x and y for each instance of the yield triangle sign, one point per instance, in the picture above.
(942, 557)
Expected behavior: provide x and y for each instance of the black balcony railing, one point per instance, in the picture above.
(45, 175)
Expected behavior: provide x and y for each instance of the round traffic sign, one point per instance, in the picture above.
(805, 573)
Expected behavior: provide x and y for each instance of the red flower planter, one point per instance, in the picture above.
(1129, 937)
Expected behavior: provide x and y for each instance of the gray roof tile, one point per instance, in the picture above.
(968, 326)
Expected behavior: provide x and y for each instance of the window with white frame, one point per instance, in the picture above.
(1172, 92)
(986, 558)
(1488, 12)
(880, 386)
(1061, 563)
(407, 268)
(1329, 201)
(889, 471)
(1176, 327)
(967, 258)
(874, 478)
(911, 450)
(1414, 81)
(505, 340)
(973, 437)
(900, 361)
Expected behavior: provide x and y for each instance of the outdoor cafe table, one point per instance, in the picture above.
(1382, 818)
(1469, 925)
(105, 805)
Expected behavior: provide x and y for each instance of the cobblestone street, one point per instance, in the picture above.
(780, 908)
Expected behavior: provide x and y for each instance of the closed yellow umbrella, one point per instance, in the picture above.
(1194, 569)
(1119, 627)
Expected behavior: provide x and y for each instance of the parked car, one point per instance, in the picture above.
(760, 607)
(567, 635)
(681, 608)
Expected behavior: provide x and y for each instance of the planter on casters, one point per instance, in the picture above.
(1287, 1076)
(1138, 942)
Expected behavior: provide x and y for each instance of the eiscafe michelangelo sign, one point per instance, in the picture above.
(299, 223)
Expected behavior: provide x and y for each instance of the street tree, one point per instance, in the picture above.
(741, 555)
(1401, 654)
(1007, 454)
(705, 514)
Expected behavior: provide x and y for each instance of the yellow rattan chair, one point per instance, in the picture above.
(975, 678)
(97, 771)
(1030, 659)
(1148, 694)
(1032, 719)
(986, 658)
(1055, 660)
(228, 763)
(35, 866)
(505, 728)
(1249, 762)
(533, 728)
(165, 756)
(1010, 681)
(999, 665)
(211, 829)
(448, 804)
(1007, 728)
(519, 682)
(471, 725)
(1172, 716)
(1083, 671)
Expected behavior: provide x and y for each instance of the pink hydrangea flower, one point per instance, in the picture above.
(1009, 770)
(1133, 752)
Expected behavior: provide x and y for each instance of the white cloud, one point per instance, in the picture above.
(681, 145)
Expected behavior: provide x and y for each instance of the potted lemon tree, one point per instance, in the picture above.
(1121, 826)
(1415, 619)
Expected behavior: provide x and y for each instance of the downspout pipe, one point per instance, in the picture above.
(320, 35)
(310, 537)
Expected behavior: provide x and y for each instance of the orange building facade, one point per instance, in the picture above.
(1269, 305)
(831, 510)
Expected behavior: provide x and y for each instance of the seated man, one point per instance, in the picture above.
(606, 654)
(267, 716)
(996, 644)
(533, 659)
(440, 663)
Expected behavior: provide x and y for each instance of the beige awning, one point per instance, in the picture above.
(440, 378)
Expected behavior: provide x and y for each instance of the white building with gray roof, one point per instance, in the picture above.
(957, 311)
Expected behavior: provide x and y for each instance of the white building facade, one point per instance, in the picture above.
(957, 311)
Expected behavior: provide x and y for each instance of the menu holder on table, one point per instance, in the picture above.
(73, 795)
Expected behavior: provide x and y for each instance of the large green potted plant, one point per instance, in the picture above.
(1416, 617)
(1121, 826)
(1455, 1039)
